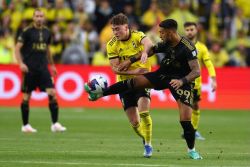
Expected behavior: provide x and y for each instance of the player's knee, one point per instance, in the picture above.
(186, 115)
(51, 92)
(185, 118)
(26, 97)
(52, 95)
(52, 98)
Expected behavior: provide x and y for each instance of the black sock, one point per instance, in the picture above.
(119, 87)
(53, 106)
(25, 112)
(189, 133)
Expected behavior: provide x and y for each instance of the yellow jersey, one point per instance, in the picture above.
(125, 50)
(204, 60)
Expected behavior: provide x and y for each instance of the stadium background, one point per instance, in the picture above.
(81, 30)
(100, 136)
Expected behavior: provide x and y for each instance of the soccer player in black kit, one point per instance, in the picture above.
(33, 55)
(177, 72)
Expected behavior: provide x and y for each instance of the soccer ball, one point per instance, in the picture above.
(98, 83)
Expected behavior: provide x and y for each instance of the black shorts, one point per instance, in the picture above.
(38, 79)
(160, 81)
(197, 95)
(130, 98)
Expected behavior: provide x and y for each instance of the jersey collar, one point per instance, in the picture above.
(129, 35)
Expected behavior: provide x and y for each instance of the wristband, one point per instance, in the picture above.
(184, 80)
(133, 59)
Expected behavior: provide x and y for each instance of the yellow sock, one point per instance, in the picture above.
(147, 126)
(195, 118)
(139, 130)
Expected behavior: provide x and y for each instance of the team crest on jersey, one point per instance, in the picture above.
(20, 38)
(194, 53)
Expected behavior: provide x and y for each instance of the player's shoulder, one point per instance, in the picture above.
(46, 28)
(28, 28)
(112, 41)
(188, 44)
(199, 44)
(136, 33)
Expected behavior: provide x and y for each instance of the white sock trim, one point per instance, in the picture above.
(189, 150)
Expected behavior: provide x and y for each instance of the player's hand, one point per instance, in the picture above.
(24, 68)
(53, 69)
(140, 71)
(123, 66)
(213, 85)
(176, 83)
(144, 57)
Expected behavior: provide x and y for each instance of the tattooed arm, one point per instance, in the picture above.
(195, 72)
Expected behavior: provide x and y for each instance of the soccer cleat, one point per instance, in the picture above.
(87, 88)
(92, 96)
(194, 155)
(57, 127)
(28, 129)
(198, 136)
(148, 150)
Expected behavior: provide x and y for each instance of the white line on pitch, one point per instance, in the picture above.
(85, 151)
(83, 163)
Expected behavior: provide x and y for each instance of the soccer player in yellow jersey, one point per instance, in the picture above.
(204, 60)
(123, 46)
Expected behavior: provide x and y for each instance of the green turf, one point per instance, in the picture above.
(104, 138)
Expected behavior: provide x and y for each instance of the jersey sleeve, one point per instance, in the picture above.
(111, 51)
(50, 38)
(159, 47)
(207, 62)
(140, 35)
(22, 37)
(191, 54)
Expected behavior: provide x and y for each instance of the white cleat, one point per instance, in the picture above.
(198, 136)
(57, 127)
(28, 129)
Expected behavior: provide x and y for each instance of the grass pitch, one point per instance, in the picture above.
(103, 137)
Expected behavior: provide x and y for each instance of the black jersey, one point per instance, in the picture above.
(175, 63)
(35, 43)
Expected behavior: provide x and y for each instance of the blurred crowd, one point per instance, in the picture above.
(81, 28)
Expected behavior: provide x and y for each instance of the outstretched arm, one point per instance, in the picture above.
(126, 64)
(147, 44)
(115, 67)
